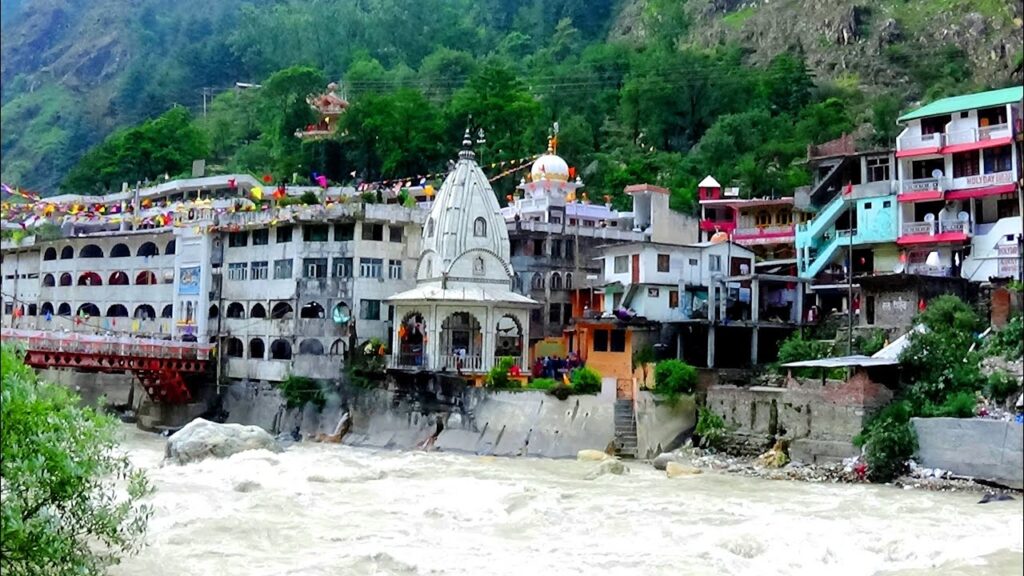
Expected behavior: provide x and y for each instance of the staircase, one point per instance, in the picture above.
(824, 219)
(808, 235)
(625, 429)
(823, 258)
(831, 183)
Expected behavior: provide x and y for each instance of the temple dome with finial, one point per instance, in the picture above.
(550, 166)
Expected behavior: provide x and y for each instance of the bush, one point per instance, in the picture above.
(542, 384)
(309, 198)
(561, 391)
(1009, 342)
(674, 377)
(289, 201)
(868, 345)
(585, 381)
(498, 378)
(939, 361)
(298, 391)
(1001, 386)
(796, 349)
(956, 405)
(710, 429)
(889, 441)
(70, 499)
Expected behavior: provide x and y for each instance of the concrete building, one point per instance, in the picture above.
(765, 225)
(462, 315)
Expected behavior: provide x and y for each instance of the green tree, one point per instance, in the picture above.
(283, 108)
(585, 381)
(674, 377)
(70, 501)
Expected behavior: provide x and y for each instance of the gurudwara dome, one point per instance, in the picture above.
(550, 167)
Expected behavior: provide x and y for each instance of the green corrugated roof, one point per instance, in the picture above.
(967, 102)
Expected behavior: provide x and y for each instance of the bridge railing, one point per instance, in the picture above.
(108, 345)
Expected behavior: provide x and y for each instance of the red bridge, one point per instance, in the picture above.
(160, 365)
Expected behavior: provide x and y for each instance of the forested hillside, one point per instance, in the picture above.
(662, 91)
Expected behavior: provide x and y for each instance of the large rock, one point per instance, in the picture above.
(607, 466)
(591, 456)
(677, 470)
(201, 439)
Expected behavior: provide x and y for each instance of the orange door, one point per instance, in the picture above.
(636, 268)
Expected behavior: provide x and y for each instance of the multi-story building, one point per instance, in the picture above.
(765, 225)
(959, 201)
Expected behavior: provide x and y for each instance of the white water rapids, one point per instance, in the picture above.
(337, 510)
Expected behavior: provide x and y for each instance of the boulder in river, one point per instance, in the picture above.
(592, 456)
(677, 470)
(607, 466)
(201, 439)
(662, 460)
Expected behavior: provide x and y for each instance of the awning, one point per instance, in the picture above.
(843, 362)
(981, 192)
(921, 196)
(980, 144)
(918, 152)
(932, 238)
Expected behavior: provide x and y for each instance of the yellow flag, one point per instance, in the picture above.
(257, 193)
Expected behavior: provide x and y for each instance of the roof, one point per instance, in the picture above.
(479, 294)
(634, 188)
(709, 182)
(843, 362)
(967, 102)
(893, 351)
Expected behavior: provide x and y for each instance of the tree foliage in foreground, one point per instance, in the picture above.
(70, 501)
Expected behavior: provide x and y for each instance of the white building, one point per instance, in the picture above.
(462, 314)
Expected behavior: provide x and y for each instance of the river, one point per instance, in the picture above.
(336, 510)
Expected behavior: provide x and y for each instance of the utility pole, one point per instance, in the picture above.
(849, 292)
(206, 94)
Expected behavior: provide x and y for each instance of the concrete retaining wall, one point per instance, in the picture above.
(986, 449)
(92, 386)
(661, 426)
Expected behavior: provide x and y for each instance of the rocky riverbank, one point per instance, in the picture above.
(850, 471)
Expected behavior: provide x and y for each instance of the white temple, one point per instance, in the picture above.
(462, 316)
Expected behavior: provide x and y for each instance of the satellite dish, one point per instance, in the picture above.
(929, 217)
(936, 173)
(963, 217)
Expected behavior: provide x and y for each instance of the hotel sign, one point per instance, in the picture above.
(1009, 260)
(986, 179)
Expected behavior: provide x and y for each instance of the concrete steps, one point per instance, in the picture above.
(625, 429)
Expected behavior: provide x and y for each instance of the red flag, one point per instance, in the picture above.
(849, 189)
(267, 178)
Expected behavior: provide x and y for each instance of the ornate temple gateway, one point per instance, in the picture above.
(462, 315)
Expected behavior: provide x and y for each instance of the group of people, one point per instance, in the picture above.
(555, 366)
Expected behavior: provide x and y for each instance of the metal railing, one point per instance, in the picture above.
(924, 184)
(461, 363)
(938, 227)
(408, 361)
(917, 228)
(109, 345)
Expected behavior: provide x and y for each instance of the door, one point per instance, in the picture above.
(869, 310)
(636, 268)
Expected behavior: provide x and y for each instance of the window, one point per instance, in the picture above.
(673, 298)
(260, 237)
(238, 239)
(998, 160)
(621, 264)
(618, 343)
(374, 232)
(887, 204)
(284, 235)
(344, 231)
(371, 268)
(556, 248)
(314, 267)
(314, 233)
(282, 269)
(395, 234)
(566, 313)
(395, 269)
(237, 271)
(715, 263)
(342, 268)
(783, 218)
(663, 262)
(867, 205)
(480, 227)
(965, 164)
(600, 340)
(369, 309)
(693, 262)
(554, 311)
(763, 218)
(878, 169)
(259, 269)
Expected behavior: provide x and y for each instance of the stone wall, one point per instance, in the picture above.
(92, 386)
(820, 420)
(985, 449)
(662, 426)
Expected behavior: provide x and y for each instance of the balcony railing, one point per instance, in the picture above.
(924, 184)
(978, 134)
(457, 363)
(408, 361)
(926, 270)
(915, 141)
(764, 231)
(918, 228)
(939, 227)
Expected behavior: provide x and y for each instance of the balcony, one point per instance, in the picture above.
(924, 143)
(926, 270)
(924, 185)
(936, 231)
(964, 139)
(764, 235)
(707, 225)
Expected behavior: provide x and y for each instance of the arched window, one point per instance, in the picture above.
(337, 347)
(49, 280)
(118, 278)
(47, 308)
(65, 279)
(538, 281)
(556, 281)
(64, 309)
(236, 310)
(312, 310)
(234, 348)
(148, 249)
(117, 311)
(67, 253)
(90, 251)
(144, 312)
(311, 346)
(480, 228)
(430, 228)
(280, 350)
(90, 279)
(120, 251)
(50, 254)
(168, 311)
(213, 312)
(568, 280)
(169, 249)
(31, 309)
(257, 349)
(763, 218)
(258, 311)
(88, 309)
(145, 278)
(282, 310)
